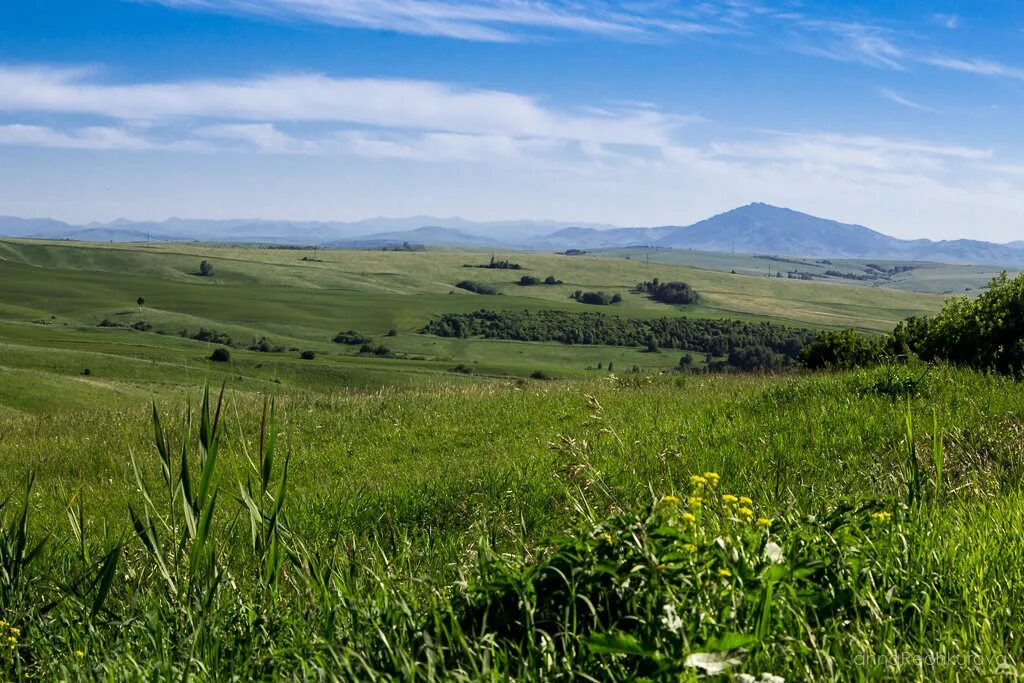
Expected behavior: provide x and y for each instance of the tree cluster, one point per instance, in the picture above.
(529, 280)
(669, 292)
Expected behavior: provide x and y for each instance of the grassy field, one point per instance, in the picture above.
(926, 277)
(53, 296)
(387, 519)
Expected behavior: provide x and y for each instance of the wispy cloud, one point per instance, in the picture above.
(89, 138)
(496, 20)
(979, 67)
(825, 36)
(901, 100)
(398, 104)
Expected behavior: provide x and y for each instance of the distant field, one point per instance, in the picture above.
(925, 277)
(53, 297)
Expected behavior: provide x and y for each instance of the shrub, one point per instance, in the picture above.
(552, 280)
(220, 355)
(539, 374)
(352, 338)
(476, 287)
(142, 326)
(392, 332)
(840, 350)
(205, 268)
(308, 355)
(595, 298)
(462, 369)
(528, 280)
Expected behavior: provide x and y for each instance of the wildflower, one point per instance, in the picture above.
(730, 499)
(607, 537)
(698, 481)
(694, 502)
(689, 517)
(746, 501)
(764, 522)
(881, 516)
(689, 547)
(79, 654)
(671, 618)
(712, 478)
(724, 573)
(670, 500)
(746, 512)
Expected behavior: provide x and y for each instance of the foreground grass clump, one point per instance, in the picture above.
(829, 528)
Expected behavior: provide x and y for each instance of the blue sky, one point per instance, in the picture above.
(903, 116)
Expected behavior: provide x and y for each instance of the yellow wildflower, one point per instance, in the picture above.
(764, 521)
(724, 573)
(694, 501)
(79, 654)
(730, 499)
(746, 501)
(712, 478)
(881, 516)
(670, 500)
(698, 481)
(15, 631)
(689, 517)
(607, 537)
(746, 512)
(689, 547)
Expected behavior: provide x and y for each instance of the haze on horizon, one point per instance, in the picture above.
(901, 118)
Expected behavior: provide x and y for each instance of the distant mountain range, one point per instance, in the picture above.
(755, 228)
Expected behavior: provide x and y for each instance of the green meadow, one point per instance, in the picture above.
(361, 517)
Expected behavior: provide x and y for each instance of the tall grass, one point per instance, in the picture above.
(712, 529)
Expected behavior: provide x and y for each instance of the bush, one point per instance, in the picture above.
(220, 355)
(392, 332)
(205, 268)
(476, 287)
(528, 280)
(593, 298)
(539, 374)
(142, 326)
(552, 280)
(462, 369)
(841, 350)
(352, 338)
(307, 355)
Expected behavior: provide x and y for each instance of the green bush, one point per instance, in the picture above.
(220, 355)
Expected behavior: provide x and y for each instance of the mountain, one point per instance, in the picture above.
(756, 228)
(762, 228)
(429, 234)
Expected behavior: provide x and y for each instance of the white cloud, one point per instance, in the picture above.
(950, 21)
(397, 104)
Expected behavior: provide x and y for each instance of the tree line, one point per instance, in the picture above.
(745, 345)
